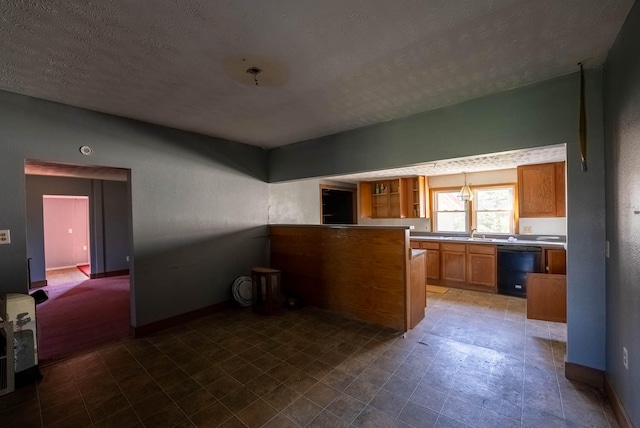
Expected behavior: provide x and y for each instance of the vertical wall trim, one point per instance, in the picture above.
(104, 246)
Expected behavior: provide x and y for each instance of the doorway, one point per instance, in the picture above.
(338, 205)
(79, 217)
(66, 238)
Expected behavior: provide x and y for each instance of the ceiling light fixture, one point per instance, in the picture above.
(255, 72)
(465, 193)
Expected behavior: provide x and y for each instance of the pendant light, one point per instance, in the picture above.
(465, 193)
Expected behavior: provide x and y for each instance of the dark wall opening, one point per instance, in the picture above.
(338, 206)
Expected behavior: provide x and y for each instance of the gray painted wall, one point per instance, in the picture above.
(116, 225)
(537, 115)
(199, 204)
(622, 126)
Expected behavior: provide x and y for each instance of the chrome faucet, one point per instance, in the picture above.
(472, 232)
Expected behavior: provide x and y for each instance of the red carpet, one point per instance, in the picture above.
(85, 269)
(82, 316)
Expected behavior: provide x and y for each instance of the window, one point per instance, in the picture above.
(449, 212)
(491, 210)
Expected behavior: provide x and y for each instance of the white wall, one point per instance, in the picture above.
(66, 231)
(502, 176)
(298, 202)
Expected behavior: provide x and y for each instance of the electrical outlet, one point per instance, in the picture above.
(5, 236)
(70, 230)
(606, 249)
(528, 229)
(127, 258)
(625, 358)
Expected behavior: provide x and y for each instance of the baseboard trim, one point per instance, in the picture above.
(618, 409)
(109, 274)
(584, 374)
(39, 284)
(147, 329)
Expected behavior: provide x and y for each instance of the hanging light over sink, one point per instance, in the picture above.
(465, 193)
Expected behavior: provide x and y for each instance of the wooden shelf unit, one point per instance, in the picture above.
(416, 189)
(398, 198)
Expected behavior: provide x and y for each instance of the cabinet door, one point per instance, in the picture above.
(364, 199)
(482, 270)
(547, 297)
(433, 259)
(415, 244)
(415, 191)
(541, 190)
(555, 261)
(453, 262)
(433, 264)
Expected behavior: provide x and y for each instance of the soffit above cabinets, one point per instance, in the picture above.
(327, 66)
(489, 162)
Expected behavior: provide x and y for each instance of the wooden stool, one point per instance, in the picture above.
(267, 291)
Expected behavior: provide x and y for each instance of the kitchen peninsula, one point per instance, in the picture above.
(366, 272)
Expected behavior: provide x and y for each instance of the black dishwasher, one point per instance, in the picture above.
(514, 262)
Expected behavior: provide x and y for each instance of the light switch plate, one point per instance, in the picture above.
(5, 237)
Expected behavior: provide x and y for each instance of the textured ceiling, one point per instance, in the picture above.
(490, 162)
(346, 63)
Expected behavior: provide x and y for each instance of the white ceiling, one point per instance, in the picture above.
(337, 64)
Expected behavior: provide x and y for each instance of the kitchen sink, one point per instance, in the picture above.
(482, 239)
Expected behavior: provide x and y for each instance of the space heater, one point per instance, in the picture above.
(19, 311)
(6, 358)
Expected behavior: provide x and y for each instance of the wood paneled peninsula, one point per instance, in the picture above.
(366, 272)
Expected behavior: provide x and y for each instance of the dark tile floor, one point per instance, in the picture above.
(474, 361)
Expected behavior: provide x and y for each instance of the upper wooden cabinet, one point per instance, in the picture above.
(541, 190)
(398, 198)
(417, 196)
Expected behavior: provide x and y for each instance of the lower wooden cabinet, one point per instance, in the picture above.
(481, 265)
(555, 261)
(453, 262)
(433, 257)
(547, 297)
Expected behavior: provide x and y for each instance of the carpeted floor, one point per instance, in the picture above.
(81, 316)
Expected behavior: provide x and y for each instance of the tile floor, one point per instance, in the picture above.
(474, 361)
